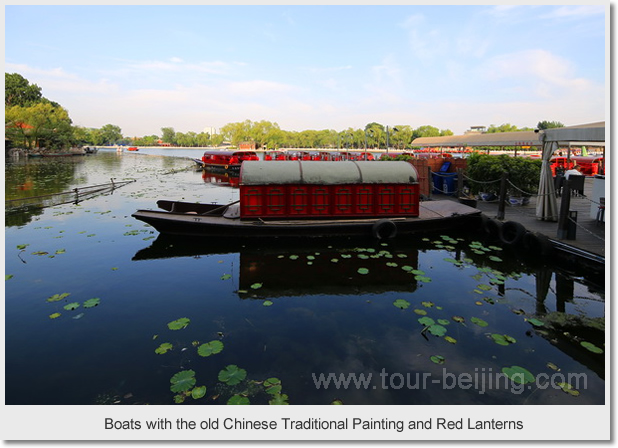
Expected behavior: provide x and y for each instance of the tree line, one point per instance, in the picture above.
(33, 121)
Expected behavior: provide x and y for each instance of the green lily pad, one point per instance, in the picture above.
(459, 319)
(553, 366)
(337, 402)
(494, 258)
(275, 389)
(279, 399)
(363, 271)
(71, 306)
(226, 276)
(427, 304)
(54, 316)
(566, 387)
(256, 285)
(484, 287)
(437, 330)
(270, 382)
(163, 348)
(426, 321)
(590, 346)
(210, 348)
(183, 381)
(238, 400)
(478, 321)
(8, 277)
(438, 359)
(535, 322)
(232, 375)
(267, 303)
(58, 297)
(179, 324)
(444, 321)
(450, 339)
(401, 303)
(503, 339)
(422, 278)
(198, 392)
(420, 312)
(518, 374)
(91, 303)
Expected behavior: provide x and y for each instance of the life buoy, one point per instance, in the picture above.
(512, 232)
(226, 166)
(536, 243)
(384, 229)
(492, 228)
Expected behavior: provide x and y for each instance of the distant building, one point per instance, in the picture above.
(476, 130)
(247, 145)
(210, 130)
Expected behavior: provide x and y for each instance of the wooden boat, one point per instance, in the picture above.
(315, 199)
(227, 160)
(132, 148)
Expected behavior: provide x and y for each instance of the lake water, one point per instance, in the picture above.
(435, 320)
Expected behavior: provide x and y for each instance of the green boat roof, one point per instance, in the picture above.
(327, 173)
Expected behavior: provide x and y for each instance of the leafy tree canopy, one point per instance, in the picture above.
(549, 124)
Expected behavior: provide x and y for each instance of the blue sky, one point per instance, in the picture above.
(313, 67)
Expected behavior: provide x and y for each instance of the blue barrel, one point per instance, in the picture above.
(449, 183)
(438, 183)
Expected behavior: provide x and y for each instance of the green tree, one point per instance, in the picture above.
(168, 135)
(506, 127)
(19, 92)
(549, 124)
(111, 134)
(40, 125)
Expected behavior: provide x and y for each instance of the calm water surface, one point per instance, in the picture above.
(295, 312)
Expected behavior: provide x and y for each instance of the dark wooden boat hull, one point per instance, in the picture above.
(207, 220)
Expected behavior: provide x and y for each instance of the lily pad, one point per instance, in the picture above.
(71, 306)
(198, 392)
(183, 381)
(54, 316)
(422, 278)
(535, 322)
(401, 303)
(58, 297)
(232, 375)
(279, 399)
(8, 277)
(337, 402)
(363, 271)
(267, 303)
(590, 346)
(518, 374)
(444, 321)
(438, 359)
(163, 348)
(426, 321)
(91, 303)
(484, 287)
(257, 285)
(420, 312)
(437, 330)
(503, 339)
(226, 276)
(494, 258)
(478, 321)
(459, 319)
(427, 304)
(553, 366)
(566, 387)
(210, 348)
(238, 400)
(450, 339)
(179, 324)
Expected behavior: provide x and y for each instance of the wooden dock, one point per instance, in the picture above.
(589, 235)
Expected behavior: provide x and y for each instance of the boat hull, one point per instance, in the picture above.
(189, 219)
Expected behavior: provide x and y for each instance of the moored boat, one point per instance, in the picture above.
(227, 160)
(315, 199)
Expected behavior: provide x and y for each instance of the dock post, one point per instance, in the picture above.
(502, 199)
(563, 217)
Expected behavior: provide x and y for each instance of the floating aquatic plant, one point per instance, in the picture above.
(427, 304)
(226, 276)
(210, 348)
(198, 392)
(279, 399)
(420, 312)
(256, 285)
(494, 258)
(54, 316)
(426, 321)
(363, 271)
(272, 386)
(163, 348)
(401, 303)
(8, 277)
(444, 322)
(58, 297)
(566, 387)
(437, 330)
(518, 374)
(553, 366)
(459, 319)
(590, 346)
(238, 399)
(267, 303)
(71, 306)
(91, 303)
(503, 339)
(438, 359)
(337, 402)
(422, 278)
(478, 321)
(535, 322)
(182, 381)
(179, 324)
(232, 375)
(450, 339)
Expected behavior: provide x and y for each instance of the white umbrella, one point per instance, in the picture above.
(546, 204)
